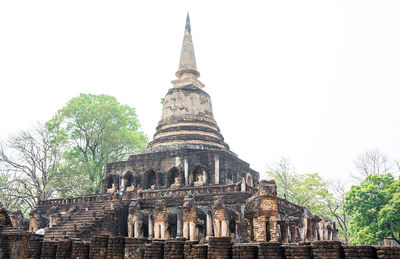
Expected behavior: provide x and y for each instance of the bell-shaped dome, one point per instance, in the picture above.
(187, 118)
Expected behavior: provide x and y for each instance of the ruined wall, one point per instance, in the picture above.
(185, 160)
(33, 246)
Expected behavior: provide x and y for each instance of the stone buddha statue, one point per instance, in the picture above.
(177, 182)
(199, 180)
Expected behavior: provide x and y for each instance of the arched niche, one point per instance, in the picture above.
(130, 181)
(174, 178)
(110, 183)
(199, 175)
(150, 179)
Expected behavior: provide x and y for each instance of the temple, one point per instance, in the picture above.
(187, 185)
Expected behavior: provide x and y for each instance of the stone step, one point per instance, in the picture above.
(82, 219)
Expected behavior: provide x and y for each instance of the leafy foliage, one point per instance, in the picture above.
(308, 190)
(374, 207)
(94, 130)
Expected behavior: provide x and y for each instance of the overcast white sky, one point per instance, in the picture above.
(315, 81)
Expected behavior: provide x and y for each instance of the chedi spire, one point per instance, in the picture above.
(187, 72)
(187, 119)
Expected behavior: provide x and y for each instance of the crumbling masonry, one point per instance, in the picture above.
(187, 191)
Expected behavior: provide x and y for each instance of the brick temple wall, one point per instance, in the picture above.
(33, 247)
(80, 250)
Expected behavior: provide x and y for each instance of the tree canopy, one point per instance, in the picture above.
(94, 130)
(67, 156)
(375, 209)
(308, 190)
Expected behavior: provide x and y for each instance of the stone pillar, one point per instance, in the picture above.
(192, 231)
(329, 233)
(225, 228)
(314, 230)
(151, 227)
(236, 237)
(272, 228)
(320, 231)
(284, 232)
(216, 173)
(157, 231)
(293, 235)
(33, 224)
(217, 228)
(164, 232)
(179, 225)
(136, 229)
(209, 225)
(186, 230)
(309, 231)
(303, 229)
(186, 167)
(205, 178)
(130, 229)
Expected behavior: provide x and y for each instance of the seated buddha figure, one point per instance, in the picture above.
(199, 179)
(177, 182)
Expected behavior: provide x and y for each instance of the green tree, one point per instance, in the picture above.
(308, 190)
(94, 130)
(374, 208)
(389, 216)
(312, 192)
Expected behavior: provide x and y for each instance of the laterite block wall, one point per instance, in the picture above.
(104, 247)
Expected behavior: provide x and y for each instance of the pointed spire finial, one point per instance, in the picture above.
(187, 27)
(187, 72)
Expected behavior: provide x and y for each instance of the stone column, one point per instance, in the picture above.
(164, 232)
(309, 230)
(333, 235)
(186, 167)
(334, 232)
(205, 178)
(157, 230)
(186, 230)
(315, 234)
(329, 233)
(217, 228)
(151, 227)
(192, 231)
(284, 232)
(236, 232)
(130, 227)
(137, 230)
(179, 225)
(225, 228)
(320, 231)
(303, 230)
(209, 225)
(216, 173)
(272, 228)
(293, 236)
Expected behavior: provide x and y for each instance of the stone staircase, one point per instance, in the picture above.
(86, 220)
